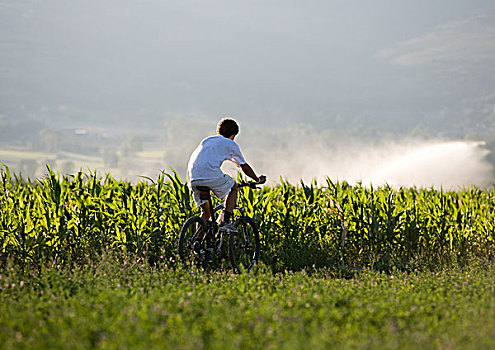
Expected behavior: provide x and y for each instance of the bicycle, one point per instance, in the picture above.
(201, 241)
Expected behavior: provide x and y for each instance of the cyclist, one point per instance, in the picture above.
(204, 170)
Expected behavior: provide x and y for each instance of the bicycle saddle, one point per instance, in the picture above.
(204, 192)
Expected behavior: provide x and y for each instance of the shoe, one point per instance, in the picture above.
(227, 227)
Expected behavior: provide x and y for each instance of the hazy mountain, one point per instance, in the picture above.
(275, 59)
(117, 70)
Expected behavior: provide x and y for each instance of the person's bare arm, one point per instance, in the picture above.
(246, 168)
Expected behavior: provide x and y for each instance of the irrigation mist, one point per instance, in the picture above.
(298, 152)
(447, 164)
(303, 152)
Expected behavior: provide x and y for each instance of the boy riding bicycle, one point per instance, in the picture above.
(203, 170)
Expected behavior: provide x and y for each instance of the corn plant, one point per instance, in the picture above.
(74, 219)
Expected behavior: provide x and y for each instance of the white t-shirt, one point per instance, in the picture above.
(207, 158)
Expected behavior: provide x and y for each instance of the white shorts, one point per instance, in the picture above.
(220, 186)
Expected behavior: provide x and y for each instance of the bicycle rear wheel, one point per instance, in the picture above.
(193, 250)
(244, 246)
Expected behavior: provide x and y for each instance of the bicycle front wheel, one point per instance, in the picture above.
(193, 250)
(244, 246)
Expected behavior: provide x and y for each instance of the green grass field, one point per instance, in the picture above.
(128, 305)
(89, 262)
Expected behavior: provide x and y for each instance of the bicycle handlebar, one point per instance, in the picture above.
(250, 184)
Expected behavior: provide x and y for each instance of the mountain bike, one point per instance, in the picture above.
(202, 241)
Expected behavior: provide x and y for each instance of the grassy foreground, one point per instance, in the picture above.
(123, 304)
(87, 263)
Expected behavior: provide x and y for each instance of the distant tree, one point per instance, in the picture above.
(110, 158)
(50, 140)
(67, 167)
(490, 145)
(27, 168)
(131, 144)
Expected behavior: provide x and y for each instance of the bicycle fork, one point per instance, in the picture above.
(219, 243)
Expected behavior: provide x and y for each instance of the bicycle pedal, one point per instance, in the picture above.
(227, 227)
(227, 230)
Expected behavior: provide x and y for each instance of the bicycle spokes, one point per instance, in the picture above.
(244, 246)
(193, 249)
(199, 242)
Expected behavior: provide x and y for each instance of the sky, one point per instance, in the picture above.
(269, 63)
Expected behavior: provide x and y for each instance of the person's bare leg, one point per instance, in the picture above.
(205, 211)
(205, 215)
(230, 203)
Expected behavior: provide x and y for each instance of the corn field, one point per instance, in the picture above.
(74, 219)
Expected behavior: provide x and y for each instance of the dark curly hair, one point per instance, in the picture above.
(227, 127)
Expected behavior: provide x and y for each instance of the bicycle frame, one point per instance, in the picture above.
(207, 195)
(211, 223)
(221, 206)
(212, 240)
